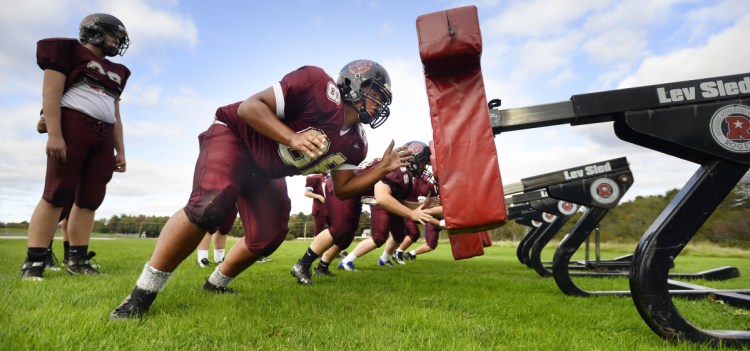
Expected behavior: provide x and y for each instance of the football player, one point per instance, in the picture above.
(304, 124)
(423, 188)
(314, 185)
(343, 218)
(388, 216)
(81, 106)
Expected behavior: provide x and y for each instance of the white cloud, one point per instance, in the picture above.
(723, 54)
(538, 18)
(150, 28)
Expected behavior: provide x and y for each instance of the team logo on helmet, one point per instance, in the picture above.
(605, 191)
(567, 208)
(360, 67)
(730, 127)
(415, 148)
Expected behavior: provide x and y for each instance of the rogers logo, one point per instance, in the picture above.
(604, 191)
(730, 128)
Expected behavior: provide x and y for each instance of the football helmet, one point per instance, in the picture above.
(92, 29)
(357, 81)
(420, 154)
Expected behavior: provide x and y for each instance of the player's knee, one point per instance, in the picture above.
(91, 203)
(211, 209)
(378, 241)
(60, 197)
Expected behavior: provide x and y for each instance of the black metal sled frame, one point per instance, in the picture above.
(690, 120)
(580, 185)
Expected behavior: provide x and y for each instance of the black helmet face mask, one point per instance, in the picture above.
(376, 94)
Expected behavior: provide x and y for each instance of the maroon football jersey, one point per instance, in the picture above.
(77, 63)
(315, 182)
(398, 180)
(311, 102)
(421, 187)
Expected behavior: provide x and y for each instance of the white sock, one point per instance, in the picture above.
(349, 258)
(413, 252)
(202, 254)
(152, 279)
(218, 255)
(219, 279)
(399, 250)
(385, 257)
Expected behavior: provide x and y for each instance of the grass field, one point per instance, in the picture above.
(490, 302)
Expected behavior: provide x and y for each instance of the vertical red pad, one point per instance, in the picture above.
(450, 46)
(466, 245)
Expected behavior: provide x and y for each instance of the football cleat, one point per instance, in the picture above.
(217, 289)
(302, 273)
(398, 256)
(203, 263)
(409, 257)
(33, 271)
(349, 266)
(52, 262)
(385, 263)
(81, 265)
(263, 259)
(134, 306)
(323, 271)
(343, 254)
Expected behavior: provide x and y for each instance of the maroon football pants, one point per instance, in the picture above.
(224, 176)
(89, 166)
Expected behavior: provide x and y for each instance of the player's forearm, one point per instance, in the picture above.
(52, 90)
(257, 112)
(119, 134)
(356, 184)
(390, 204)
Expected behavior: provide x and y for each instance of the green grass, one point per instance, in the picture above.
(490, 302)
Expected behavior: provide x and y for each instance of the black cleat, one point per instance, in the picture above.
(203, 263)
(302, 273)
(33, 271)
(52, 263)
(134, 306)
(323, 271)
(217, 289)
(81, 265)
(409, 257)
(398, 256)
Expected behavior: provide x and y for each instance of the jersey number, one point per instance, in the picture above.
(308, 165)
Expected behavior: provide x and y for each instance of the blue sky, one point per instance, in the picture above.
(190, 57)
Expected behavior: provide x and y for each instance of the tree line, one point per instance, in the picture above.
(728, 225)
(300, 225)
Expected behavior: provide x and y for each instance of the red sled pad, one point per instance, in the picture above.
(486, 238)
(465, 246)
(470, 186)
